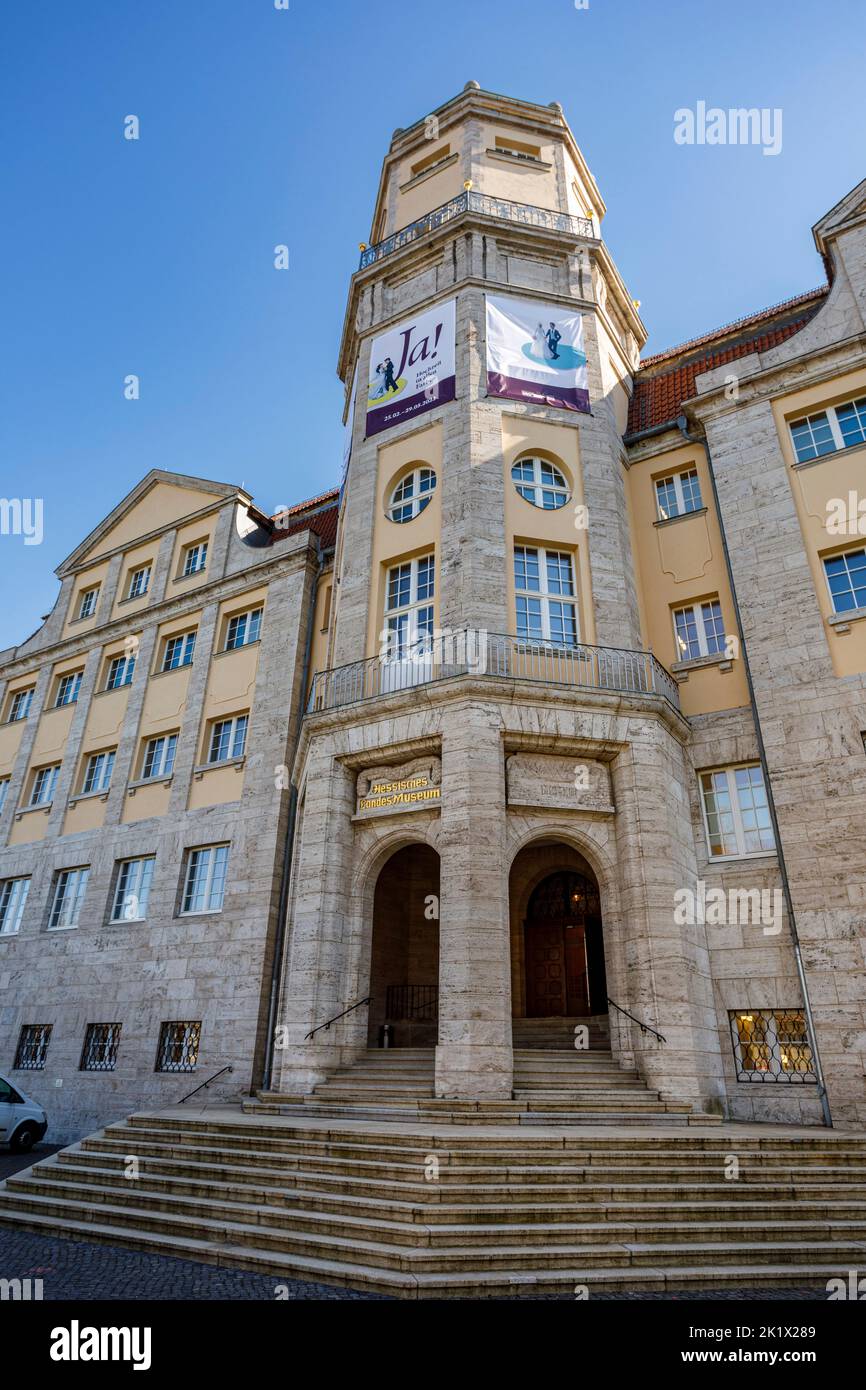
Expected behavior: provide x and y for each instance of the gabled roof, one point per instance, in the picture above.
(848, 211)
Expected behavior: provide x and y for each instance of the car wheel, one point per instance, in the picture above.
(23, 1139)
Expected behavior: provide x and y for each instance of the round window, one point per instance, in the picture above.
(540, 483)
(412, 494)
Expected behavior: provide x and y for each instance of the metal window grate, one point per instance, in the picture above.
(100, 1047)
(33, 1046)
(178, 1046)
(772, 1045)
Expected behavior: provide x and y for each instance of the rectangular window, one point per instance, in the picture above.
(44, 782)
(178, 1046)
(228, 738)
(204, 886)
(4, 789)
(243, 628)
(771, 1045)
(121, 669)
(87, 606)
(846, 577)
(699, 630)
(159, 756)
(736, 814)
(178, 651)
(139, 582)
(67, 689)
(678, 494)
(133, 889)
(69, 889)
(99, 1052)
(32, 1049)
(409, 608)
(20, 706)
(195, 558)
(545, 596)
(827, 431)
(97, 775)
(13, 896)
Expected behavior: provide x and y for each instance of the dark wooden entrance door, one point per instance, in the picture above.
(561, 910)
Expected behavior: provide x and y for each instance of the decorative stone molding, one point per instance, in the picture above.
(564, 784)
(412, 786)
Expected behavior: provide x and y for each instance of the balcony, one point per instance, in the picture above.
(522, 214)
(471, 652)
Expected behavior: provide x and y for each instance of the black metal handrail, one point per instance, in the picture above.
(644, 1027)
(350, 1010)
(412, 1002)
(221, 1072)
(503, 209)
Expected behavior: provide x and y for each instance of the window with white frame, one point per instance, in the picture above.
(195, 558)
(243, 628)
(205, 879)
(44, 782)
(678, 494)
(699, 630)
(178, 651)
(87, 606)
(736, 814)
(412, 494)
(540, 483)
(68, 687)
(228, 738)
(97, 774)
(409, 608)
(827, 431)
(139, 582)
(4, 790)
(20, 704)
(70, 886)
(846, 578)
(13, 896)
(132, 889)
(545, 596)
(121, 670)
(159, 756)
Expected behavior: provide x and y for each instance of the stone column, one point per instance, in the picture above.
(473, 1056)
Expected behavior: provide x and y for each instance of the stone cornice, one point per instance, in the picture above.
(773, 381)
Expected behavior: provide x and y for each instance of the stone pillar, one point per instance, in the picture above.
(473, 1056)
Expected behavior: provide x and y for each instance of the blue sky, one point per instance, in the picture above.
(262, 126)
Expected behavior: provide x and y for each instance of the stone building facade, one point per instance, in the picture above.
(570, 701)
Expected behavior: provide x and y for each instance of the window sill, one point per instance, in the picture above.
(681, 516)
(73, 927)
(205, 912)
(742, 858)
(172, 671)
(102, 794)
(132, 598)
(840, 621)
(681, 669)
(824, 458)
(193, 574)
(230, 651)
(133, 787)
(8, 935)
(82, 618)
(28, 810)
(525, 161)
(236, 763)
(111, 689)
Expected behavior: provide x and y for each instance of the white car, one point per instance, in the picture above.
(22, 1122)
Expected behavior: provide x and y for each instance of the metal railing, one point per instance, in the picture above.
(525, 214)
(418, 1002)
(351, 1009)
(194, 1092)
(478, 653)
(644, 1027)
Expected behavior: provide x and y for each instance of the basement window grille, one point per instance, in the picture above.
(100, 1047)
(33, 1046)
(772, 1045)
(178, 1046)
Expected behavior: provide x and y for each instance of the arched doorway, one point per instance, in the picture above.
(404, 958)
(563, 948)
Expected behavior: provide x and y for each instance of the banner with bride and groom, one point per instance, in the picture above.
(412, 368)
(535, 353)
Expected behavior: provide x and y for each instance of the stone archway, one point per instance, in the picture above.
(404, 950)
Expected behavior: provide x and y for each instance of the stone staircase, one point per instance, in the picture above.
(558, 1033)
(550, 1087)
(431, 1212)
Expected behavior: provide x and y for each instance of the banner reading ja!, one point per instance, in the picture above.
(535, 353)
(411, 368)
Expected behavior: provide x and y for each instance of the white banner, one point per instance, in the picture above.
(535, 353)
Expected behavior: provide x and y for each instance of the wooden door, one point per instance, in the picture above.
(545, 970)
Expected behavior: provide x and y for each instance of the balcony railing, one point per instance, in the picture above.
(501, 208)
(479, 653)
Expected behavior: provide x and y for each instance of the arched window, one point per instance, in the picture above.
(412, 494)
(540, 483)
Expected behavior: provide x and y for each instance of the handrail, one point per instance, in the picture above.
(644, 1027)
(350, 1010)
(204, 1083)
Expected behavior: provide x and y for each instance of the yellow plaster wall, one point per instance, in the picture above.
(87, 579)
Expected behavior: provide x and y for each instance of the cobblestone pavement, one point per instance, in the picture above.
(73, 1269)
